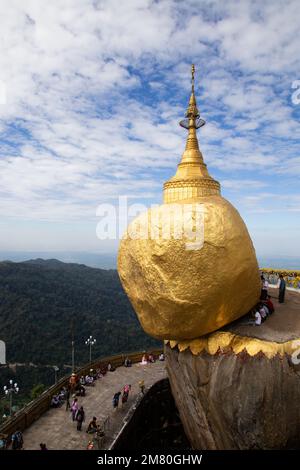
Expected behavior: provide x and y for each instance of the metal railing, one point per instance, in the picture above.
(292, 278)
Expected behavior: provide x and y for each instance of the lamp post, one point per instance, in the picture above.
(90, 342)
(56, 369)
(9, 391)
(72, 345)
(73, 356)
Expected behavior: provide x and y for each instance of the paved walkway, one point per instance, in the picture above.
(58, 431)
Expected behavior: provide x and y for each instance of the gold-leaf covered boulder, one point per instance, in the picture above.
(189, 266)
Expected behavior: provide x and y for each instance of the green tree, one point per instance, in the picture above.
(37, 390)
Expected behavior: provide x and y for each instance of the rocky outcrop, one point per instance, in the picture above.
(235, 401)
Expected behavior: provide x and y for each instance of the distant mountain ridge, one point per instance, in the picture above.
(109, 260)
(94, 260)
(46, 262)
(42, 300)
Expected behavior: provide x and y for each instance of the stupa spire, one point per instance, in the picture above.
(192, 178)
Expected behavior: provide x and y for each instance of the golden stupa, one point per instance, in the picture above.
(188, 266)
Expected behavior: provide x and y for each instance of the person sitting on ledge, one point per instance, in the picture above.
(151, 358)
(92, 427)
(127, 362)
(93, 374)
(266, 308)
(110, 367)
(89, 380)
(63, 393)
(81, 391)
(144, 360)
(55, 403)
(269, 304)
(262, 312)
(257, 317)
(82, 380)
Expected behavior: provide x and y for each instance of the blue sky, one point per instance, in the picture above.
(90, 98)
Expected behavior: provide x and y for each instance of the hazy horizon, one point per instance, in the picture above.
(109, 260)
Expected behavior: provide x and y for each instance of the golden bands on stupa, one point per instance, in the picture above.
(192, 179)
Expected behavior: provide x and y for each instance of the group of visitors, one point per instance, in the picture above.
(265, 307)
(125, 395)
(76, 388)
(78, 415)
(281, 288)
(98, 433)
(17, 441)
(59, 398)
(265, 286)
(292, 279)
(262, 310)
(150, 358)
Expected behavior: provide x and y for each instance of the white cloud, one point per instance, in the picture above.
(95, 89)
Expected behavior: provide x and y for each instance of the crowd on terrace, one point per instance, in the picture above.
(292, 278)
(265, 306)
(69, 396)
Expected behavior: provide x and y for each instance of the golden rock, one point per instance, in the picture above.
(188, 266)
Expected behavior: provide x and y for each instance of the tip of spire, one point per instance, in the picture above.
(192, 113)
(193, 78)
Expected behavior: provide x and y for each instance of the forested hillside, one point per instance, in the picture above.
(41, 300)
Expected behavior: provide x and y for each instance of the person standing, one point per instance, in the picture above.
(72, 382)
(125, 395)
(264, 288)
(282, 285)
(74, 408)
(80, 418)
(142, 386)
(17, 441)
(68, 399)
(99, 437)
(116, 399)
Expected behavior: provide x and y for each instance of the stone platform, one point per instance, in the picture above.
(282, 326)
(58, 431)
